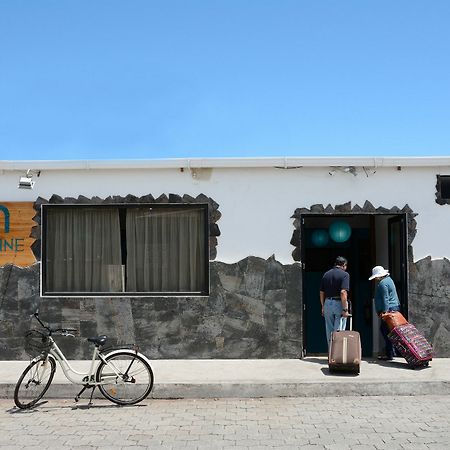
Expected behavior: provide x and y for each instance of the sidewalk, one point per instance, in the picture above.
(308, 377)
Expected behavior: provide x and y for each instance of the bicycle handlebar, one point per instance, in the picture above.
(62, 331)
(36, 316)
(65, 331)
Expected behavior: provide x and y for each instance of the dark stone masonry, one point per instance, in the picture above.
(253, 311)
(429, 301)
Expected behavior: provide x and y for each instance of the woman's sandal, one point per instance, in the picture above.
(385, 358)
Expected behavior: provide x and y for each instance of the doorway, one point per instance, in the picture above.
(366, 240)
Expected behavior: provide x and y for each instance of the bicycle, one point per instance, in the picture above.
(123, 375)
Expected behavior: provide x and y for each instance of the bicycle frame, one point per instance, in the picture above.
(123, 375)
(69, 371)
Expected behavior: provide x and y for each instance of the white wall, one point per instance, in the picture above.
(256, 203)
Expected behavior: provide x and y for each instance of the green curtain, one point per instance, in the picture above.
(83, 252)
(166, 250)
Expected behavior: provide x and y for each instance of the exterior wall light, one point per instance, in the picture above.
(27, 181)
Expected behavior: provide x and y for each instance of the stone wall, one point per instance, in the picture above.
(253, 311)
(429, 301)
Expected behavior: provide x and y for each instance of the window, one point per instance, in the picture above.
(142, 250)
(443, 189)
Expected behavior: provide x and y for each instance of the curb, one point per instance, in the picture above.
(262, 390)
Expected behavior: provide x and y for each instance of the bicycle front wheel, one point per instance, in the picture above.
(126, 378)
(34, 382)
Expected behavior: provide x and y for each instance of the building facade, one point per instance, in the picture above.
(219, 258)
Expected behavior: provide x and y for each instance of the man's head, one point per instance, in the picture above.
(341, 262)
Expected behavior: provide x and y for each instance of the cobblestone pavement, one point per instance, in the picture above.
(288, 423)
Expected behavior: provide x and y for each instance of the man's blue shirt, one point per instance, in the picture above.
(334, 281)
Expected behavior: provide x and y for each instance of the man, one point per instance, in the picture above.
(386, 300)
(333, 297)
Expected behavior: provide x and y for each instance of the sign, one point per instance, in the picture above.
(16, 222)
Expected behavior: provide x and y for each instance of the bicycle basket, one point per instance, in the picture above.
(36, 342)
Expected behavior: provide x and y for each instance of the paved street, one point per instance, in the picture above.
(290, 423)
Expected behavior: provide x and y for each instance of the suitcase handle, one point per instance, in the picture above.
(350, 315)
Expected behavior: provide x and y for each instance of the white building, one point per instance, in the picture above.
(208, 258)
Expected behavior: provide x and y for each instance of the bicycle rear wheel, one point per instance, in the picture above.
(126, 379)
(34, 382)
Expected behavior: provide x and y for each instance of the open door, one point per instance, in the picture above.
(379, 239)
(397, 237)
(319, 251)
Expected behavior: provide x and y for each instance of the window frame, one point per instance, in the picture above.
(440, 199)
(43, 275)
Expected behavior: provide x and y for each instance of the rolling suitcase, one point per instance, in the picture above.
(345, 351)
(412, 345)
(393, 319)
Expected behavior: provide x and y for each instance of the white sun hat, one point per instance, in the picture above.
(378, 271)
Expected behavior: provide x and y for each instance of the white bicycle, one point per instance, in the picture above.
(123, 375)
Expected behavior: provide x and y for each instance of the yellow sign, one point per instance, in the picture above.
(16, 222)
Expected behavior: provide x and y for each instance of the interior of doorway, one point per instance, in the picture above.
(374, 239)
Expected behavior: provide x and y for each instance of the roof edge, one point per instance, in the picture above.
(247, 162)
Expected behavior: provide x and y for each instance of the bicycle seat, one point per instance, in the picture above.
(98, 340)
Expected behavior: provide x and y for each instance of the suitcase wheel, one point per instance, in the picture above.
(420, 366)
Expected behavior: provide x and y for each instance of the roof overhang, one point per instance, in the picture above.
(256, 162)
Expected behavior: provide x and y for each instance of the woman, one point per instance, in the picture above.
(386, 300)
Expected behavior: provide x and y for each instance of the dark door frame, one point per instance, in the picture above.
(402, 287)
(404, 251)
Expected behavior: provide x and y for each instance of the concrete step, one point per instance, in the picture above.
(308, 377)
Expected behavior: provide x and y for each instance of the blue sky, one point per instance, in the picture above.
(223, 78)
